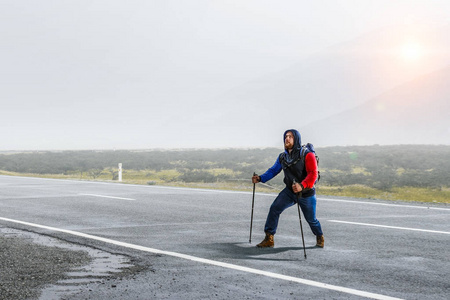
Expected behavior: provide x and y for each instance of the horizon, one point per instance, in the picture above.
(212, 149)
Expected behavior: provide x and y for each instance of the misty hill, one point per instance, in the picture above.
(417, 112)
(347, 74)
(332, 81)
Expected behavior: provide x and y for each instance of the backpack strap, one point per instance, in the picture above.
(303, 152)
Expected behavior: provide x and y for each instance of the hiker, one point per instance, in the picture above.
(302, 170)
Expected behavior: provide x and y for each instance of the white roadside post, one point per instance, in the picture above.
(120, 171)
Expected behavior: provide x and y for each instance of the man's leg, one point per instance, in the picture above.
(308, 206)
(283, 201)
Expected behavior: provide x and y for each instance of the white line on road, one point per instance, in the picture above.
(211, 262)
(111, 197)
(382, 204)
(386, 226)
(225, 191)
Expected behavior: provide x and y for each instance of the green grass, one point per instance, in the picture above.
(169, 178)
(395, 193)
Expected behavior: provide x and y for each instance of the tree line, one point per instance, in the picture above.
(380, 167)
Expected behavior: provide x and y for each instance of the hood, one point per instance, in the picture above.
(297, 139)
(295, 153)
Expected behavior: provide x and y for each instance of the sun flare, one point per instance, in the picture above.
(411, 51)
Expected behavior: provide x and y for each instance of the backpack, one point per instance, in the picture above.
(305, 150)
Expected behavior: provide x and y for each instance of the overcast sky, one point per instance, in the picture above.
(113, 74)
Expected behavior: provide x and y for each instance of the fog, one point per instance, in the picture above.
(156, 74)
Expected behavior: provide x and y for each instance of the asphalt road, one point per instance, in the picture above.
(196, 242)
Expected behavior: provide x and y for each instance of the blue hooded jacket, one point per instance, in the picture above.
(291, 163)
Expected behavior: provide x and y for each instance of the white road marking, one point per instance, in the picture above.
(383, 204)
(386, 226)
(228, 192)
(211, 262)
(111, 197)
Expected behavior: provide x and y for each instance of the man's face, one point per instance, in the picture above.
(289, 141)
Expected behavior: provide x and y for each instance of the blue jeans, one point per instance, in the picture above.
(286, 198)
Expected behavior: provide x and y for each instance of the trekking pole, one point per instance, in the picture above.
(253, 205)
(300, 218)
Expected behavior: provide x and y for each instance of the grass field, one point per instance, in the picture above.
(168, 178)
(395, 193)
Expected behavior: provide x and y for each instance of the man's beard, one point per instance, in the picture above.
(288, 146)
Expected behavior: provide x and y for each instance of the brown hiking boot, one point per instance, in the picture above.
(267, 242)
(320, 241)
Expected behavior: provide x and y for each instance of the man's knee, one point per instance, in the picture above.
(275, 209)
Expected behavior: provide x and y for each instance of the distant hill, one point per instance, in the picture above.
(417, 112)
(330, 82)
(343, 76)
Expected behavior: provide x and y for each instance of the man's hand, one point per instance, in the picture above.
(256, 179)
(297, 188)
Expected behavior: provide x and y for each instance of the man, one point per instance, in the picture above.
(300, 175)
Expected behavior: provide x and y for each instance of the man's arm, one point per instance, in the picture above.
(311, 171)
(271, 172)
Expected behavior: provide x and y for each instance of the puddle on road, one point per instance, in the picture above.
(102, 267)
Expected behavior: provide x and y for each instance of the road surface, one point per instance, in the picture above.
(196, 242)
